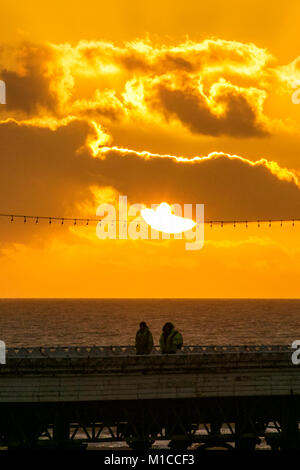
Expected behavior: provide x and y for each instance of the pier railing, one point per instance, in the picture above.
(103, 351)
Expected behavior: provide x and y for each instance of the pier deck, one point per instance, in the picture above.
(214, 395)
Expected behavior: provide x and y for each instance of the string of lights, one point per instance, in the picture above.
(87, 220)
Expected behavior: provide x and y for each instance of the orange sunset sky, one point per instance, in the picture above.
(118, 98)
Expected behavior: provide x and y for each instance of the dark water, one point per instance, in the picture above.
(106, 322)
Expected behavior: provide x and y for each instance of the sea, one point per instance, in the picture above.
(105, 322)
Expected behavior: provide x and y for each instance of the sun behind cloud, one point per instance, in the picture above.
(163, 220)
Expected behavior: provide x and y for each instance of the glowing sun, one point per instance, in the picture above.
(163, 220)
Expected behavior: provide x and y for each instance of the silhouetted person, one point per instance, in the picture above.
(143, 339)
(170, 339)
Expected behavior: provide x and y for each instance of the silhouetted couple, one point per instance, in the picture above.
(170, 339)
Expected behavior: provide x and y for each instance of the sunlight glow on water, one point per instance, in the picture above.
(107, 322)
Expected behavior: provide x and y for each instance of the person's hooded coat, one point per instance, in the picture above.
(172, 343)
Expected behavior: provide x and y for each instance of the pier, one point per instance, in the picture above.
(217, 396)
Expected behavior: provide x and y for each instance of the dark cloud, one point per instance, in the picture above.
(172, 61)
(45, 172)
(43, 79)
(239, 118)
(30, 88)
(189, 56)
(230, 188)
(41, 172)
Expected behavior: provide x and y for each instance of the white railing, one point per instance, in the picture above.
(104, 351)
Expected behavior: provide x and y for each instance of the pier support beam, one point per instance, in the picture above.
(61, 427)
(290, 439)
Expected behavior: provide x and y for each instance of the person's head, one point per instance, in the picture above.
(168, 327)
(143, 325)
